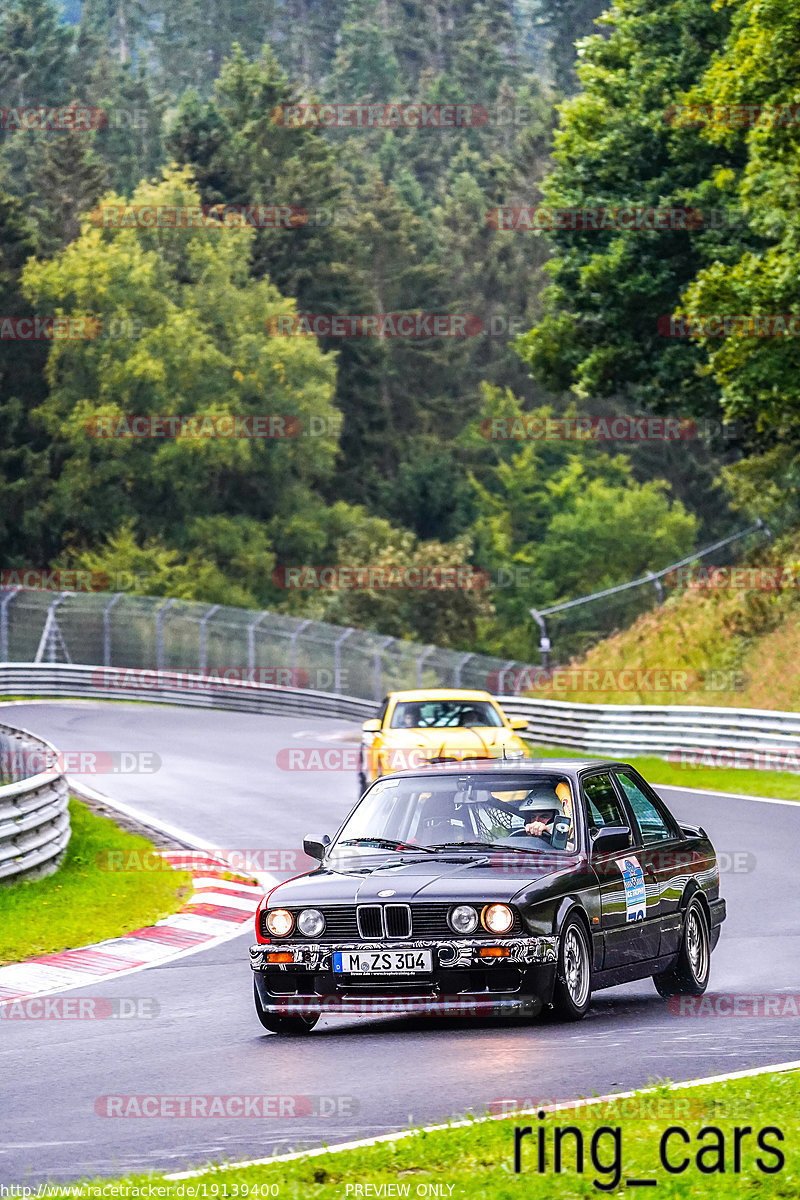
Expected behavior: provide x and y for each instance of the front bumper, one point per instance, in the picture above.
(461, 981)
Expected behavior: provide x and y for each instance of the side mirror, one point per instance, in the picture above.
(518, 723)
(372, 726)
(315, 846)
(610, 838)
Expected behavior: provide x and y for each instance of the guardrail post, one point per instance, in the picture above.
(506, 667)
(303, 625)
(160, 633)
(251, 640)
(379, 664)
(206, 616)
(46, 641)
(459, 667)
(656, 581)
(107, 629)
(545, 644)
(4, 603)
(425, 654)
(337, 660)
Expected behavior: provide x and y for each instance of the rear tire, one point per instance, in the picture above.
(573, 990)
(689, 976)
(362, 784)
(277, 1023)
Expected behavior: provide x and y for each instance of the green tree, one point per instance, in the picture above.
(25, 538)
(757, 376)
(65, 179)
(618, 146)
(558, 519)
(182, 332)
(37, 54)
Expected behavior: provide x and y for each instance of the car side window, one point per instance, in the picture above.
(382, 710)
(650, 821)
(603, 805)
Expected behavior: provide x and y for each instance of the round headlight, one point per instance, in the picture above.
(498, 918)
(311, 922)
(463, 919)
(279, 922)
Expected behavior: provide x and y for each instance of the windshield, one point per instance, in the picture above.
(445, 714)
(519, 812)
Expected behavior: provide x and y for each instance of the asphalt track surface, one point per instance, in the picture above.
(219, 780)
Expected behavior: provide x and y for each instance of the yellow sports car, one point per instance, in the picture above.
(415, 729)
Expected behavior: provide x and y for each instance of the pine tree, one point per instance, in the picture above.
(25, 536)
(66, 179)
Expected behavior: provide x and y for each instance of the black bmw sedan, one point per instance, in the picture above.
(490, 887)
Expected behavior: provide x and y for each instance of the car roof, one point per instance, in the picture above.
(440, 694)
(541, 766)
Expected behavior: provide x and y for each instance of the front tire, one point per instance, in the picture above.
(277, 1023)
(689, 976)
(573, 989)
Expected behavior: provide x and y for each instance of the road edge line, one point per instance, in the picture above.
(548, 1108)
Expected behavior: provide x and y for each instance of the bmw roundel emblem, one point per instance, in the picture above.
(388, 892)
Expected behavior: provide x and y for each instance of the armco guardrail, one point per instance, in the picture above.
(176, 687)
(34, 814)
(596, 728)
(657, 729)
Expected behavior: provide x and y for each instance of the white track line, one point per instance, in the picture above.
(548, 1108)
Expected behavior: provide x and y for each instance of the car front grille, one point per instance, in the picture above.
(373, 922)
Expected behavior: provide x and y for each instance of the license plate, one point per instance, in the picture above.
(382, 962)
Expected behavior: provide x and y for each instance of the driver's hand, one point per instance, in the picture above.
(536, 828)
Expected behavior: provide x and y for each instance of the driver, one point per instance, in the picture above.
(409, 718)
(542, 825)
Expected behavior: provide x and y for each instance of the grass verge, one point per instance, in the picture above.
(477, 1160)
(775, 784)
(83, 902)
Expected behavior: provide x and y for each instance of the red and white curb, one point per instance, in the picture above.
(217, 910)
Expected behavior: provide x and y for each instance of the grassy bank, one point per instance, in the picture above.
(774, 784)
(477, 1160)
(83, 902)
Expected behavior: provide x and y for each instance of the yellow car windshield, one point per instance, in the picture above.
(445, 714)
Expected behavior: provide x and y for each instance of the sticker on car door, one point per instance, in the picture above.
(635, 894)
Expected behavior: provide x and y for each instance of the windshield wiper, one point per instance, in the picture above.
(464, 845)
(384, 843)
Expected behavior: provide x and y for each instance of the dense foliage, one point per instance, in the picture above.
(394, 466)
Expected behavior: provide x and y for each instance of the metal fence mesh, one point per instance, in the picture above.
(150, 633)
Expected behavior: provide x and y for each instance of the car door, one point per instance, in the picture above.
(629, 899)
(663, 852)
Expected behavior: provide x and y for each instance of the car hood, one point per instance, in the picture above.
(448, 878)
(469, 742)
